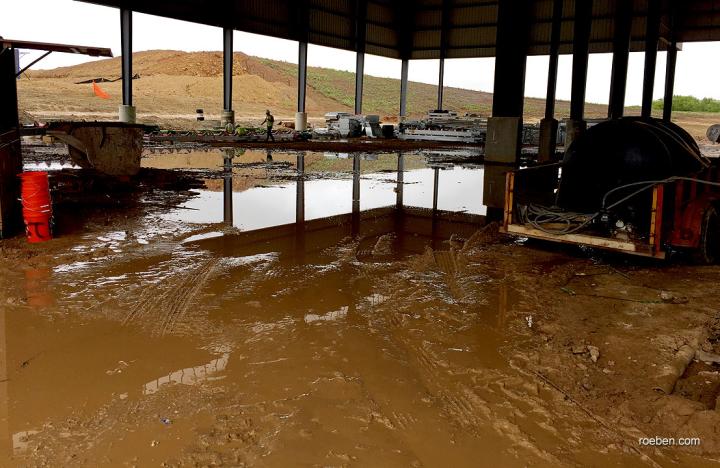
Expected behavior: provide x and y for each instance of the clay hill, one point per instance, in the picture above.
(173, 84)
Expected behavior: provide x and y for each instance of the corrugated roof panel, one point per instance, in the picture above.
(471, 23)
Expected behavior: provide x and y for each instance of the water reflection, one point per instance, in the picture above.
(257, 188)
(227, 186)
(299, 188)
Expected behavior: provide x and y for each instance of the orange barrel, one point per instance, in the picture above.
(37, 206)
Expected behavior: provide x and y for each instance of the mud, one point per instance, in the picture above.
(150, 333)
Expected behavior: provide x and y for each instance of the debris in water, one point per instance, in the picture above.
(594, 353)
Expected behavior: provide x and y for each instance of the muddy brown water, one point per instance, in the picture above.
(349, 339)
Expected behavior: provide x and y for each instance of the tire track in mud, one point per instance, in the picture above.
(473, 406)
(180, 304)
(168, 302)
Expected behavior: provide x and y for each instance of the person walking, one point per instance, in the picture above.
(269, 121)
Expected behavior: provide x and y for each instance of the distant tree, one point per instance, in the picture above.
(690, 104)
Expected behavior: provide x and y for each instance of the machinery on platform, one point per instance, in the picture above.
(633, 185)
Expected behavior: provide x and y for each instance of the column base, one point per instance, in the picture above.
(127, 114)
(502, 141)
(573, 129)
(227, 117)
(494, 178)
(300, 121)
(548, 140)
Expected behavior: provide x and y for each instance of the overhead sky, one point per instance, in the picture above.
(72, 22)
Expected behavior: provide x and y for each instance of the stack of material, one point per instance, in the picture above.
(350, 126)
(332, 119)
(372, 126)
(445, 126)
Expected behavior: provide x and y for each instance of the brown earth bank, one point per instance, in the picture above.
(173, 84)
(137, 338)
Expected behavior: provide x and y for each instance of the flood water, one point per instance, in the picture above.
(362, 335)
(269, 190)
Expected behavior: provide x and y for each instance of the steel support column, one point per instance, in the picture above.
(302, 75)
(126, 52)
(227, 68)
(359, 75)
(549, 125)
(444, 27)
(581, 43)
(581, 46)
(652, 35)
(360, 35)
(404, 68)
(621, 55)
(441, 79)
(669, 80)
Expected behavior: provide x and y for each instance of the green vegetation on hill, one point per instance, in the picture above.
(690, 104)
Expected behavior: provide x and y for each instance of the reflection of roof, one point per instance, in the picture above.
(70, 49)
(414, 29)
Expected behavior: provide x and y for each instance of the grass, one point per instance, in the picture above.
(690, 104)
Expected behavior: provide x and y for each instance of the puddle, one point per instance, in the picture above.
(271, 189)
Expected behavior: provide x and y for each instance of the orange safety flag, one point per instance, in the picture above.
(99, 92)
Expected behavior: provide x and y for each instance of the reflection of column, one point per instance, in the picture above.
(502, 305)
(435, 189)
(5, 434)
(356, 196)
(356, 184)
(400, 178)
(227, 187)
(300, 185)
(268, 155)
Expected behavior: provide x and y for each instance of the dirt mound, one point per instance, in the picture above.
(168, 62)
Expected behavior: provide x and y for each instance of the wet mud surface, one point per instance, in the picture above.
(149, 333)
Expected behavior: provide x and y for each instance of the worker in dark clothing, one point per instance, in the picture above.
(269, 121)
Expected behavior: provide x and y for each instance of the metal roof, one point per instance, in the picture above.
(429, 29)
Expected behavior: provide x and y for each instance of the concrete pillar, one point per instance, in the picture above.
(581, 30)
(621, 55)
(404, 68)
(127, 114)
(573, 129)
(10, 152)
(301, 116)
(441, 80)
(669, 80)
(127, 110)
(652, 35)
(228, 115)
(549, 125)
(359, 75)
(548, 139)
